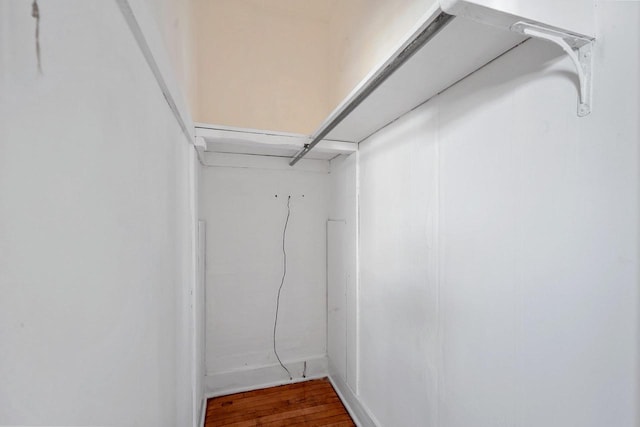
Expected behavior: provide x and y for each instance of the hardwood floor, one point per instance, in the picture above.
(310, 403)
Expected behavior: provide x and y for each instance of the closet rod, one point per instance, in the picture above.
(399, 58)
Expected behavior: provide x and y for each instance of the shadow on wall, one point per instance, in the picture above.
(467, 97)
(502, 81)
(403, 135)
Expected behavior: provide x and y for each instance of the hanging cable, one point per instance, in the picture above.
(284, 274)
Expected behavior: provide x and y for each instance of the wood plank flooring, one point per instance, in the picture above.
(310, 403)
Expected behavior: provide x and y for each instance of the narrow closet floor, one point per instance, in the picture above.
(309, 403)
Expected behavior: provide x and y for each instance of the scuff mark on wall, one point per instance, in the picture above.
(35, 13)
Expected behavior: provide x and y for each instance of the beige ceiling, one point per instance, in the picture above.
(307, 9)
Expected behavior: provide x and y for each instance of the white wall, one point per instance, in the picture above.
(244, 268)
(499, 246)
(94, 226)
(175, 20)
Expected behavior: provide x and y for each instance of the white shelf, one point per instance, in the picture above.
(454, 39)
(458, 50)
(230, 140)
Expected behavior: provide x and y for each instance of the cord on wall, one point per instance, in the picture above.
(284, 274)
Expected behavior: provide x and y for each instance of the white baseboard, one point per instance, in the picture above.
(203, 411)
(224, 383)
(358, 411)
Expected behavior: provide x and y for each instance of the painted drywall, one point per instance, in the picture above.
(498, 246)
(262, 65)
(244, 263)
(284, 65)
(168, 30)
(176, 23)
(95, 247)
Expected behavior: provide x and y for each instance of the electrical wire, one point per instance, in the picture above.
(284, 274)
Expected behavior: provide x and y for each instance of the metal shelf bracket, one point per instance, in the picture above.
(578, 48)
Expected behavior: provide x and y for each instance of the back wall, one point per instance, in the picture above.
(244, 266)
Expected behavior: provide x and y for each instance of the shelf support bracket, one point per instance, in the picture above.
(578, 48)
